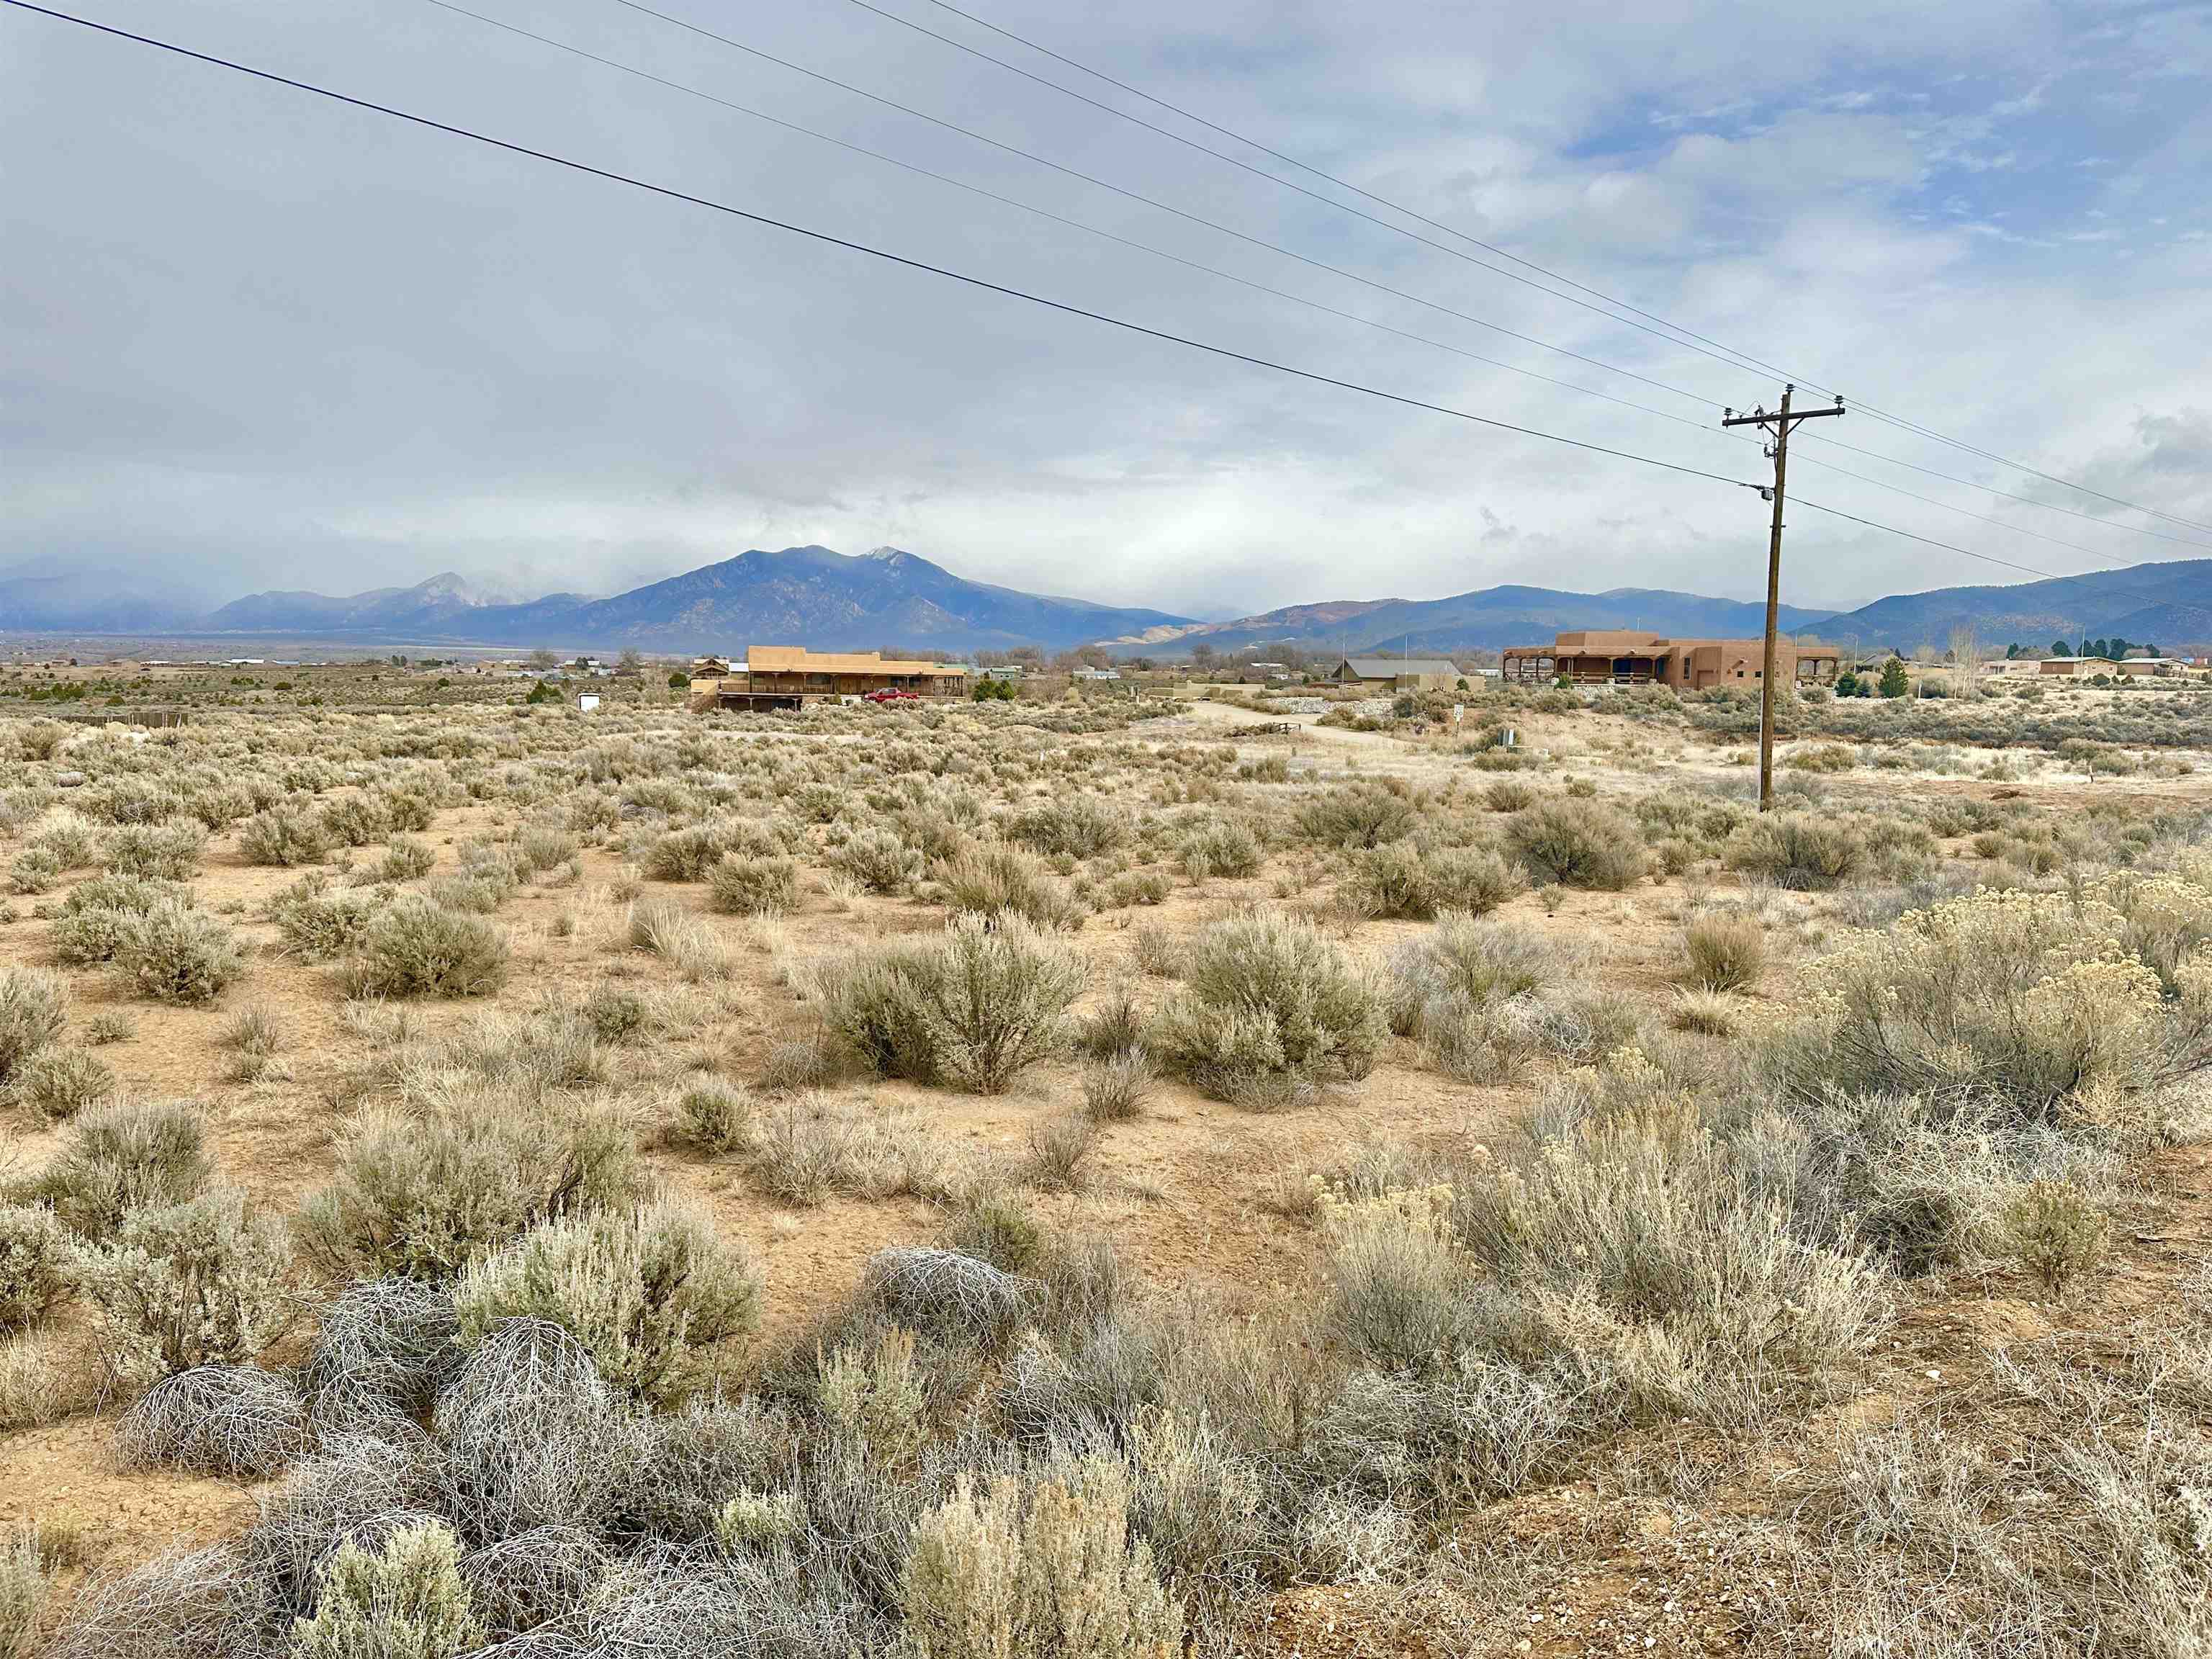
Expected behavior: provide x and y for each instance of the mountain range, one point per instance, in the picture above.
(834, 601)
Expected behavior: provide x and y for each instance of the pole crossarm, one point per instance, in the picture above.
(1781, 422)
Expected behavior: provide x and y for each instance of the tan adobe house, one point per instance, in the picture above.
(791, 677)
(1626, 657)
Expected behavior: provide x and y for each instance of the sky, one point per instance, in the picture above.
(256, 339)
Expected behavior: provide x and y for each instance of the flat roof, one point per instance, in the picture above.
(798, 660)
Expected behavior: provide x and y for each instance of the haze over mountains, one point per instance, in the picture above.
(833, 601)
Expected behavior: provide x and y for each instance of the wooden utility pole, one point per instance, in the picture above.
(1782, 422)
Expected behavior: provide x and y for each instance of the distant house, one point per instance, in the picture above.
(1094, 673)
(2153, 665)
(2077, 668)
(791, 677)
(1619, 656)
(1398, 673)
(1009, 671)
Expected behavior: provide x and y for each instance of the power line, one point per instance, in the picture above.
(1735, 358)
(1950, 547)
(1730, 359)
(1061, 219)
(707, 34)
(672, 194)
(1262, 288)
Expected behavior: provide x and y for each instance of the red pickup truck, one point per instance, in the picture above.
(890, 694)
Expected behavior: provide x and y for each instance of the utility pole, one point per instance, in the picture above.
(1782, 422)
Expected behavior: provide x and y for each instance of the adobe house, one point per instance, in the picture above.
(791, 677)
(1398, 673)
(1627, 656)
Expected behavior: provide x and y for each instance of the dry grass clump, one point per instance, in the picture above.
(33, 1266)
(1724, 951)
(417, 947)
(426, 1194)
(975, 1006)
(238, 1421)
(34, 1013)
(812, 1145)
(741, 885)
(992, 879)
(255, 1037)
(1709, 1014)
(714, 1117)
(669, 931)
(1577, 843)
(646, 1292)
(191, 1284)
(1052, 1570)
(1115, 1085)
(38, 1383)
(1269, 1002)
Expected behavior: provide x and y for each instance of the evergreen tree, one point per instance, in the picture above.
(1895, 681)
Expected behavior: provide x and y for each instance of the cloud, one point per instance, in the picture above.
(256, 339)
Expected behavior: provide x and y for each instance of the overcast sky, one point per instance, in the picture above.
(252, 338)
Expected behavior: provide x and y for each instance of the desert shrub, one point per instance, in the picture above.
(1796, 850)
(1577, 843)
(193, 1284)
(1402, 879)
(973, 1006)
(714, 1117)
(180, 1603)
(35, 870)
(612, 1012)
(1482, 1043)
(1724, 951)
(2030, 996)
(319, 922)
(68, 838)
(414, 947)
(738, 885)
(543, 847)
(404, 1602)
(238, 1421)
(947, 1292)
(33, 1266)
(1477, 963)
(123, 1158)
(1357, 815)
(172, 953)
(1080, 826)
(33, 1011)
(382, 1352)
(1054, 1571)
(168, 851)
(95, 913)
(993, 880)
(532, 1434)
(282, 836)
(1508, 795)
(1269, 1001)
(2057, 1232)
(879, 861)
(353, 821)
(542, 1577)
(426, 1195)
(1220, 847)
(645, 1290)
(405, 859)
(58, 1083)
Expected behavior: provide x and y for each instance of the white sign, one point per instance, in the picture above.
(588, 701)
